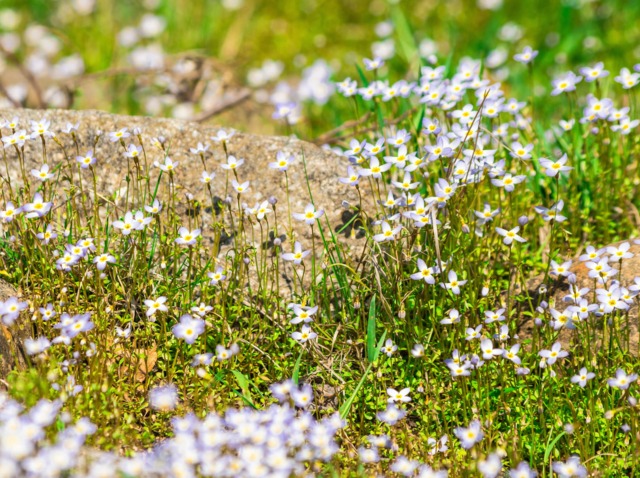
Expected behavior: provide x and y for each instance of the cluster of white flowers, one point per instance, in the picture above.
(276, 441)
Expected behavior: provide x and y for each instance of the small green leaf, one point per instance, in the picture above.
(371, 331)
(296, 369)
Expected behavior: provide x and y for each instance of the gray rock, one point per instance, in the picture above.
(323, 168)
(558, 288)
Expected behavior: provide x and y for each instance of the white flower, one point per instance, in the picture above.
(310, 215)
(200, 149)
(133, 151)
(87, 160)
(488, 352)
(222, 136)
(156, 305)
(582, 377)
(127, 225)
(570, 469)
(511, 235)
(155, 208)
(217, 276)
(512, 354)
(454, 284)
(554, 354)
(552, 168)
(387, 234)
(168, 165)
(282, 162)
(102, 260)
(389, 347)
(187, 237)
(207, 177)
(560, 269)
(469, 436)
(119, 135)
(425, 273)
(232, 163)
(305, 334)
(42, 174)
(10, 212)
(262, 209)
(622, 380)
(37, 208)
(398, 396)
(620, 252)
(240, 188)
(526, 56)
(297, 255)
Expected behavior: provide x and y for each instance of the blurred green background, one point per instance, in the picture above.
(237, 36)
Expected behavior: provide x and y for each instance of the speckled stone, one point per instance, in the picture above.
(323, 168)
(557, 289)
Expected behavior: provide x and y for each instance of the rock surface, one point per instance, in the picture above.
(323, 167)
(559, 288)
(12, 353)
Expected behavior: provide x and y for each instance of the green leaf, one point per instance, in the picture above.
(362, 76)
(243, 382)
(549, 449)
(346, 406)
(371, 331)
(296, 369)
(379, 347)
(407, 41)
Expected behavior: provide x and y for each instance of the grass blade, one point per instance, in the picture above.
(346, 406)
(296, 369)
(371, 331)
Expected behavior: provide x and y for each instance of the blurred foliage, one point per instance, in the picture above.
(568, 33)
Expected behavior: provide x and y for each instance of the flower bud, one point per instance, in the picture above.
(523, 220)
